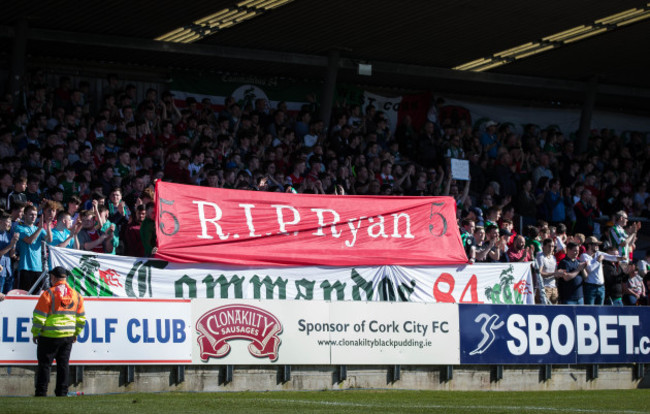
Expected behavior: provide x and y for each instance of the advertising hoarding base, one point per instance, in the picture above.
(19, 380)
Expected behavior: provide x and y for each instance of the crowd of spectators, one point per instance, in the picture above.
(78, 172)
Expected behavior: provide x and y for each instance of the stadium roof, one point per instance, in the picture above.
(411, 44)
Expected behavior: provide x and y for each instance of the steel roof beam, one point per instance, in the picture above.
(119, 42)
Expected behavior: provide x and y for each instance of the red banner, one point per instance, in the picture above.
(254, 228)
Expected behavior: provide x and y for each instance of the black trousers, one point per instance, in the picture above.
(27, 278)
(47, 350)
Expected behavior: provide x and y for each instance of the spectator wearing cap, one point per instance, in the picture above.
(594, 284)
(634, 290)
(489, 139)
(476, 214)
(58, 318)
(644, 265)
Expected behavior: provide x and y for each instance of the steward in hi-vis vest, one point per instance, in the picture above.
(58, 319)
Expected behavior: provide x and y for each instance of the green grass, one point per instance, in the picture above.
(341, 402)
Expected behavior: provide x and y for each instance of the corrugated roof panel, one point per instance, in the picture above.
(422, 32)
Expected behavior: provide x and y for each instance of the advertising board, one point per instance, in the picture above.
(511, 334)
(117, 331)
(330, 333)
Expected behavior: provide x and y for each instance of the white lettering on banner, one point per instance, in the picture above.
(380, 228)
(249, 219)
(95, 274)
(288, 215)
(629, 322)
(540, 343)
(407, 223)
(204, 226)
(644, 346)
(321, 221)
(606, 334)
(593, 335)
(514, 323)
(562, 321)
(281, 222)
(237, 317)
(353, 229)
(587, 338)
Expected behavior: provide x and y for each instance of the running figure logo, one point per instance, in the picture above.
(489, 326)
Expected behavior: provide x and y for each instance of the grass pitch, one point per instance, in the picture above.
(341, 402)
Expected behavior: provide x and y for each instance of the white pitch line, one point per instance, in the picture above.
(467, 407)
